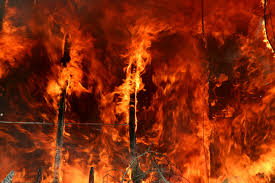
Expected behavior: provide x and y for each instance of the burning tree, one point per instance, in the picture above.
(95, 83)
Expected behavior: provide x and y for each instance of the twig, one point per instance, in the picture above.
(154, 167)
(132, 162)
(111, 175)
(157, 167)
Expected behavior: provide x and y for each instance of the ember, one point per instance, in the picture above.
(137, 91)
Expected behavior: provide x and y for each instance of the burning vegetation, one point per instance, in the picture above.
(141, 91)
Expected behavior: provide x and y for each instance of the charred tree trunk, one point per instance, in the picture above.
(60, 128)
(39, 176)
(59, 137)
(2, 12)
(67, 47)
(91, 176)
(132, 125)
(136, 172)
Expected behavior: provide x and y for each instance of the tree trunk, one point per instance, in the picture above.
(59, 137)
(60, 128)
(136, 171)
(91, 176)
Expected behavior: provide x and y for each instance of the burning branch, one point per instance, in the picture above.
(158, 170)
(154, 167)
(131, 164)
(265, 23)
(9, 177)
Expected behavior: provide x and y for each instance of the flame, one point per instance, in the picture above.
(207, 109)
(265, 37)
(14, 43)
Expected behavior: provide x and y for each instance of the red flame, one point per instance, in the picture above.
(204, 99)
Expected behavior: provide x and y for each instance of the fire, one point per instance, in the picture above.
(203, 104)
(14, 43)
(265, 37)
(138, 58)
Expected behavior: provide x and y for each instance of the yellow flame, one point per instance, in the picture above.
(265, 37)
